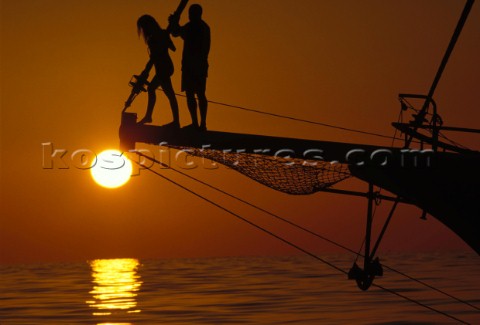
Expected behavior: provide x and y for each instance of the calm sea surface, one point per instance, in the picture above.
(293, 290)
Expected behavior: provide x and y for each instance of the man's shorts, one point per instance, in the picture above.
(194, 82)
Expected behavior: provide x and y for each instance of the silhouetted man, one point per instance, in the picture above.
(196, 36)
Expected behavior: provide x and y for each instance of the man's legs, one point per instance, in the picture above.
(192, 107)
(203, 105)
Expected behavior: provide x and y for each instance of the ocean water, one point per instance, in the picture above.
(259, 290)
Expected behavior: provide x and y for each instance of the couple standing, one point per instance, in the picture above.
(196, 37)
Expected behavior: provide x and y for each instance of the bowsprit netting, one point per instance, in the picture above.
(288, 175)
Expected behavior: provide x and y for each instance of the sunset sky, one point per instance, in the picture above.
(65, 67)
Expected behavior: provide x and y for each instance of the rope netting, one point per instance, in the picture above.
(288, 175)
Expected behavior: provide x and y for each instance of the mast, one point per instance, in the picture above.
(420, 117)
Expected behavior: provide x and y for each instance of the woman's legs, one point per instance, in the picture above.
(152, 98)
(170, 93)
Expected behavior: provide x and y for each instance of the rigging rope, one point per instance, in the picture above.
(419, 303)
(400, 116)
(295, 118)
(247, 203)
(287, 221)
(457, 144)
(236, 215)
(410, 106)
(291, 244)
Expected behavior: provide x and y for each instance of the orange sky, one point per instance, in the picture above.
(65, 67)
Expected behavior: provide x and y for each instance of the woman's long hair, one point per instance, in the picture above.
(147, 26)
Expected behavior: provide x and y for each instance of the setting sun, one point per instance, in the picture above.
(111, 169)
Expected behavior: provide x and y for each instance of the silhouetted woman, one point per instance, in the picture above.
(159, 42)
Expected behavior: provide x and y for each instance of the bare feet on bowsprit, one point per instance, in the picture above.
(173, 125)
(192, 127)
(203, 127)
(145, 120)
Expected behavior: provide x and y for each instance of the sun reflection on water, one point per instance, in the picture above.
(115, 286)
